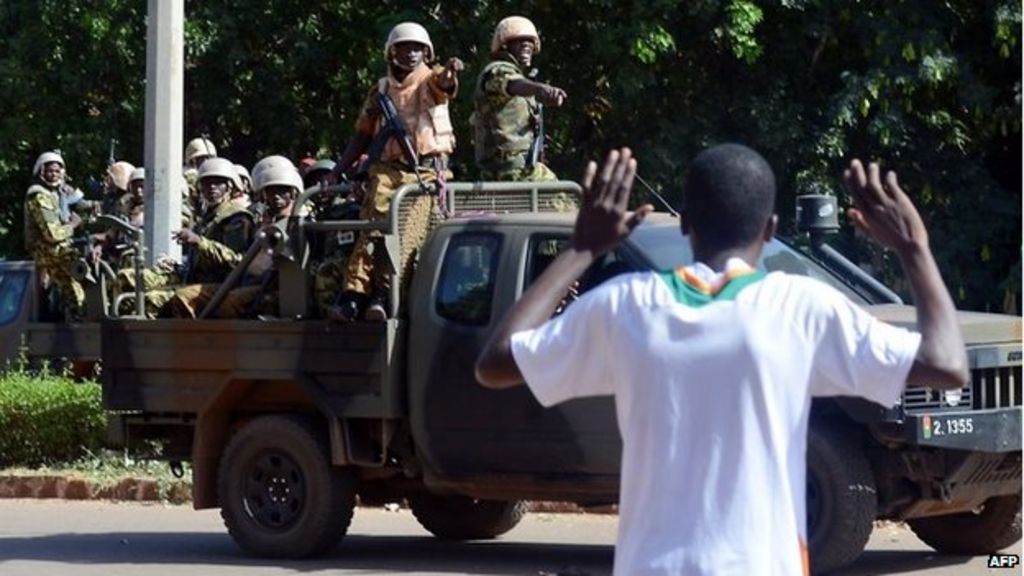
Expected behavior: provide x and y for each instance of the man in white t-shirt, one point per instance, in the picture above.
(713, 366)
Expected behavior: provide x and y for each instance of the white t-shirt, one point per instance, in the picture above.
(713, 395)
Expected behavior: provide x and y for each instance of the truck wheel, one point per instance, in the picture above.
(463, 518)
(280, 497)
(995, 527)
(841, 497)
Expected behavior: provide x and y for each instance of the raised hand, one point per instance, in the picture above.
(604, 220)
(552, 96)
(882, 210)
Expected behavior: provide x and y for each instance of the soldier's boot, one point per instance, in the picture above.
(347, 307)
(376, 309)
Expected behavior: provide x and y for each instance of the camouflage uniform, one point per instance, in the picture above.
(48, 237)
(422, 105)
(226, 234)
(505, 125)
(332, 251)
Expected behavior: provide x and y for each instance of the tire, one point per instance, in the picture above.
(463, 518)
(841, 497)
(280, 497)
(993, 528)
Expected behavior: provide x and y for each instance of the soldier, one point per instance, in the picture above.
(197, 151)
(420, 95)
(115, 187)
(280, 185)
(507, 117)
(132, 205)
(243, 197)
(222, 235)
(49, 227)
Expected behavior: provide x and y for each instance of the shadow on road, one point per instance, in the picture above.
(388, 554)
(875, 562)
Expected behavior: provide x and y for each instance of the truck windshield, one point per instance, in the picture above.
(667, 249)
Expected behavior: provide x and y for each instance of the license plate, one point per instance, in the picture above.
(947, 426)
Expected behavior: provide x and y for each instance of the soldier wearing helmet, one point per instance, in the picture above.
(225, 230)
(213, 247)
(50, 225)
(421, 94)
(115, 187)
(507, 113)
(279, 184)
(197, 151)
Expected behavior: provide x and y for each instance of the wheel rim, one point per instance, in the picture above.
(274, 490)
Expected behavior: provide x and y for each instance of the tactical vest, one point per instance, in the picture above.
(427, 120)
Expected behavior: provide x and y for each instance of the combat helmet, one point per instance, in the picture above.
(45, 158)
(280, 175)
(120, 174)
(409, 32)
(199, 147)
(265, 164)
(220, 167)
(511, 28)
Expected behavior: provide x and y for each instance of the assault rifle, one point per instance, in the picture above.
(393, 128)
(535, 154)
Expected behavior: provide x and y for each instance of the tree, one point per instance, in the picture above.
(931, 89)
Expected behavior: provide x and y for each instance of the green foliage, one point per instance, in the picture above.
(932, 89)
(48, 418)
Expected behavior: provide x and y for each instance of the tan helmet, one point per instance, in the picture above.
(266, 163)
(45, 158)
(279, 175)
(137, 174)
(511, 28)
(120, 174)
(199, 147)
(243, 174)
(220, 167)
(409, 32)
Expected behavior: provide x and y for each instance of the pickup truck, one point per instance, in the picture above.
(286, 421)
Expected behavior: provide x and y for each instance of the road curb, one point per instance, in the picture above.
(55, 486)
(48, 486)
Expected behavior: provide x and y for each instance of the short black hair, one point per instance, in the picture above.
(729, 195)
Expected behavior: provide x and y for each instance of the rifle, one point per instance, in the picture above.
(393, 128)
(536, 152)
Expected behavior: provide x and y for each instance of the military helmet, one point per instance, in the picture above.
(137, 174)
(511, 28)
(268, 162)
(199, 147)
(120, 174)
(220, 167)
(45, 158)
(243, 173)
(280, 175)
(409, 32)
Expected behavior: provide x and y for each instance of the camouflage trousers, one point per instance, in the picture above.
(158, 285)
(246, 301)
(362, 275)
(537, 173)
(57, 262)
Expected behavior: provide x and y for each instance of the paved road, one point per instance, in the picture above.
(55, 538)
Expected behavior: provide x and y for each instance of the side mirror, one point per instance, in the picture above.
(816, 214)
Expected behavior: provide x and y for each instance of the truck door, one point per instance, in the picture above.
(464, 430)
(17, 282)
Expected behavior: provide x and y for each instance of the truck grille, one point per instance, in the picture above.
(989, 388)
(996, 387)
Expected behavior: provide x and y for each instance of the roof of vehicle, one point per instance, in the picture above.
(546, 218)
